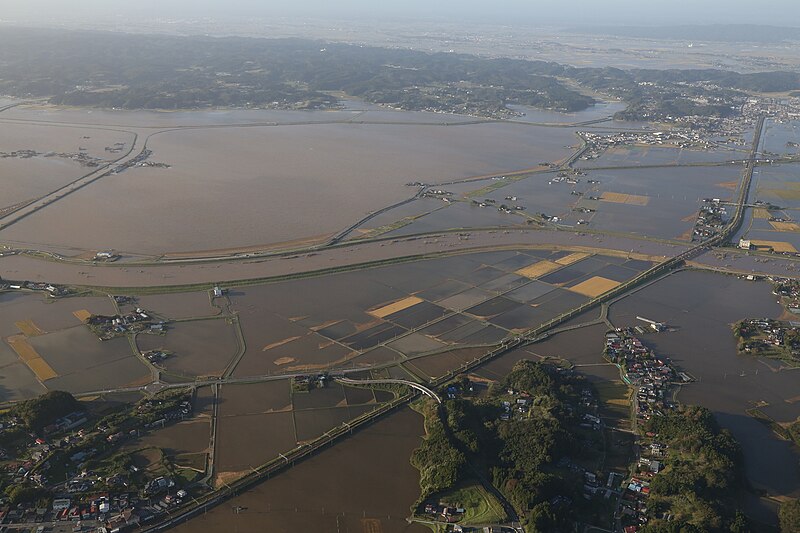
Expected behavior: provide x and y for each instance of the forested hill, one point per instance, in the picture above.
(103, 69)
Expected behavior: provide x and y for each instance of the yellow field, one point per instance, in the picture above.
(790, 193)
(538, 270)
(785, 226)
(278, 343)
(284, 361)
(777, 246)
(82, 315)
(399, 305)
(29, 355)
(760, 212)
(371, 525)
(594, 286)
(29, 328)
(730, 185)
(572, 258)
(629, 199)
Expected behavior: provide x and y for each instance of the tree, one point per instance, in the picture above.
(789, 516)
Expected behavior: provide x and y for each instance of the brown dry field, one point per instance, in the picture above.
(29, 355)
(759, 212)
(539, 269)
(213, 196)
(785, 226)
(82, 315)
(400, 305)
(778, 246)
(29, 328)
(572, 258)
(595, 286)
(629, 199)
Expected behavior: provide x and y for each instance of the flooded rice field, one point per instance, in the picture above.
(656, 202)
(598, 111)
(658, 155)
(778, 185)
(37, 159)
(179, 305)
(781, 137)
(34, 329)
(702, 307)
(196, 348)
(239, 187)
(285, 417)
(381, 486)
(410, 311)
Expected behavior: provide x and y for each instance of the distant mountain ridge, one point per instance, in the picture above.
(727, 33)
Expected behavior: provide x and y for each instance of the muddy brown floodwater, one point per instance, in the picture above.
(702, 306)
(232, 187)
(363, 484)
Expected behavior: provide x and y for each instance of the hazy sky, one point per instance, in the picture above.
(577, 12)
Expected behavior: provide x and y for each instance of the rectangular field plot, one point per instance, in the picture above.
(537, 270)
(46, 314)
(395, 307)
(595, 286)
(414, 344)
(630, 199)
(247, 441)
(418, 315)
(493, 307)
(200, 348)
(255, 398)
(330, 396)
(465, 299)
(181, 305)
(84, 363)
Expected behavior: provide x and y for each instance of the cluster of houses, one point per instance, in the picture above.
(90, 496)
(101, 511)
(156, 356)
(53, 291)
(651, 375)
(757, 335)
(82, 158)
(503, 208)
(710, 220)
(438, 194)
(108, 327)
(518, 405)
(445, 512)
(632, 509)
(789, 292)
(597, 143)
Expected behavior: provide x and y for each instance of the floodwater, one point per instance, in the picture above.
(658, 155)
(28, 178)
(702, 306)
(17, 382)
(199, 348)
(778, 135)
(364, 483)
(543, 116)
(238, 187)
